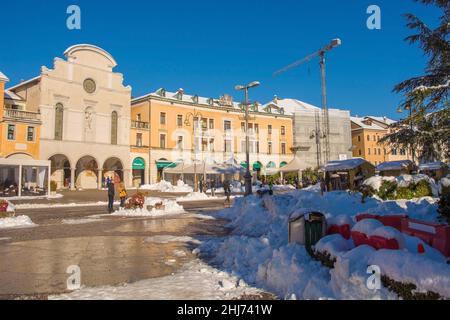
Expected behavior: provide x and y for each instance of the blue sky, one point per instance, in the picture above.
(207, 47)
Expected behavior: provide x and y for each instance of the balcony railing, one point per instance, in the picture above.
(140, 125)
(21, 115)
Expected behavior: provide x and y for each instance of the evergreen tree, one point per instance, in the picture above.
(426, 129)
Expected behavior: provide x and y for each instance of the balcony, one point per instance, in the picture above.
(140, 125)
(18, 115)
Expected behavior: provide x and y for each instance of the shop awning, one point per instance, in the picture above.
(257, 166)
(295, 165)
(139, 164)
(165, 164)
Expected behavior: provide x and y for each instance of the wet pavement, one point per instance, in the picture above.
(108, 250)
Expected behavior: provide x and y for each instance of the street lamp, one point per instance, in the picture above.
(194, 115)
(248, 176)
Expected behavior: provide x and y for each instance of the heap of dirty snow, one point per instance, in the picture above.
(16, 222)
(257, 249)
(165, 186)
(168, 207)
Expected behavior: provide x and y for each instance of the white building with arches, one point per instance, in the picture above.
(85, 113)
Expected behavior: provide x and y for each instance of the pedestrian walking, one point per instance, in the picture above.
(227, 190)
(111, 195)
(122, 194)
(200, 186)
(213, 187)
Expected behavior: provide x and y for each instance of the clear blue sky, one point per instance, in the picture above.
(207, 47)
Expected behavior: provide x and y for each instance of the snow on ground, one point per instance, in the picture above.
(165, 186)
(163, 239)
(16, 222)
(258, 251)
(195, 196)
(81, 221)
(61, 205)
(195, 281)
(55, 196)
(169, 207)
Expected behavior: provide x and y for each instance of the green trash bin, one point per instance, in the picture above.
(315, 229)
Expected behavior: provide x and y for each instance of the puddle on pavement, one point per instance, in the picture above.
(39, 267)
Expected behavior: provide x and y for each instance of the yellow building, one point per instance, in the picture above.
(366, 135)
(21, 173)
(165, 122)
(20, 128)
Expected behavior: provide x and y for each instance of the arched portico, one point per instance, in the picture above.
(61, 170)
(86, 173)
(113, 169)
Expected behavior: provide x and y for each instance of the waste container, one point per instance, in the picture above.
(315, 229)
(297, 229)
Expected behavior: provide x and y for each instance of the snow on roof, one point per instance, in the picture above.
(360, 122)
(291, 105)
(3, 77)
(25, 82)
(344, 164)
(394, 165)
(12, 96)
(432, 166)
(384, 120)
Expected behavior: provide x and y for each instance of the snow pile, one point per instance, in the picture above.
(340, 220)
(164, 239)
(403, 181)
(195, 196)
(367, 226)
(285, 187)
(168, 207)
(165, 186)
(195, 281)
(390, 233)
(257, 249)
(375, 182)
(16, 222)
(334, 244)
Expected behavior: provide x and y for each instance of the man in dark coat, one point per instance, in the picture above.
(111, 194)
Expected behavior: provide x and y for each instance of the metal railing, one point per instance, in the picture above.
(140, 125)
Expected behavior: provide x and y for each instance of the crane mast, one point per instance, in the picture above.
(326, 114)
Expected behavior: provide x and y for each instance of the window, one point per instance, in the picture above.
(378, 138)
(114, 120)
(368, 151)
(379, 151)
(368, 138)
(30, 134)
(11, 132)
(269, 129)
(250, 128)
(138, 117)
(374, 138)
(283, 148)
(243, 127)
(360, 152)
(180, 143)
(204, 124)
(162, 118)
(257, 147)
(59, 119)
(256, 128)
(359, 138)
(385, 151)
(139, 139)
(227, 125)
(269, 148)
(204, 145)
(394, 152)
(211, 145)
(162, 141)
(283, 130)
(402, 152)
(227, 146)
(211, 124)
(180, 121)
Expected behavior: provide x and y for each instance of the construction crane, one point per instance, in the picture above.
(326, 116)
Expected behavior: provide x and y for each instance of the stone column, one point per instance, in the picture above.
(99, 179)
(72, 179)
(147, 175)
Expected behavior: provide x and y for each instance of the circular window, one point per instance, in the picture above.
(89, 86)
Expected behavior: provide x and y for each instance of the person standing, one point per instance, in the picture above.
(111, 195)
(122, 194)
(200, 186)
(213, 187)
(227, 190)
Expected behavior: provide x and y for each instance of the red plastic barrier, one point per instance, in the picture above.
(422, 230)
(343, 230)
(382, 243)
(394, 221)
(360, 238)
(441, 241)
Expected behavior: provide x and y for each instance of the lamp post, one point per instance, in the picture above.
(194, 115)
(248, 176)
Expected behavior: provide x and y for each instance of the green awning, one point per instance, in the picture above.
(244, 164)
(283, 164)
(139, 164)
(165, 164)
(271, 165)
(257, 166)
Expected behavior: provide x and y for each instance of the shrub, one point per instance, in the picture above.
(404, 193)
(423, 189)
(408, 291)
(387, 190)
(324, 258)
(444, 204)
(53, 186)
